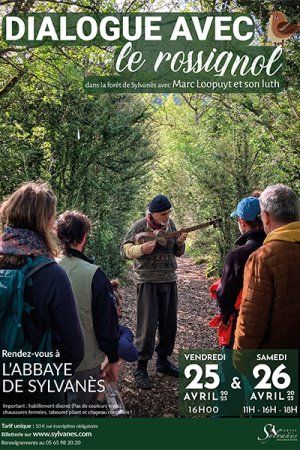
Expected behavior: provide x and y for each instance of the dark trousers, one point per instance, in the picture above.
(156, 307)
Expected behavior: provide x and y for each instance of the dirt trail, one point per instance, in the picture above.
(195, 310)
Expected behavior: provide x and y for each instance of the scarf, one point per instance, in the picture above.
(22, 241)
(152, 224)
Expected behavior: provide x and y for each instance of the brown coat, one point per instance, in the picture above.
(270, 310)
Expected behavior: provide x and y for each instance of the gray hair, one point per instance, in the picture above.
(281, 202)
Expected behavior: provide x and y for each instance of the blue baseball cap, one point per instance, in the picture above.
(248, 209)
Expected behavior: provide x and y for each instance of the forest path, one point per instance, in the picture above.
(195, 309)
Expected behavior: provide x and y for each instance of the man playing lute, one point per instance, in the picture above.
(155, 269)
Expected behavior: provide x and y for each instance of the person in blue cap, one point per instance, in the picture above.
(252, 236)
(157, 298)
(228, 295)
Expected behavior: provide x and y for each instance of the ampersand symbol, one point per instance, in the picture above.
(236, 383)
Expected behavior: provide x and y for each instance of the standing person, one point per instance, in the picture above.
(27, 218)
(252, 237)
(95, 302)
(270, 309)
(157, 298)
(229, 289)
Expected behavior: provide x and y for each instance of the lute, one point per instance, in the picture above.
(162, 237)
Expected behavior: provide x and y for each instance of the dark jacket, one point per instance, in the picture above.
(54, 307)
(233, 271)
(105, 319)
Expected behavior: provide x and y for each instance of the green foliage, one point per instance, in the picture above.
(262, 8)
(94, 152)
(108, 155)
(218, 149)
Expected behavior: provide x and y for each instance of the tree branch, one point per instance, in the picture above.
(12, 82)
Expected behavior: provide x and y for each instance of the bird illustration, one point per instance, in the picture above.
(279, 28)
(272, 431)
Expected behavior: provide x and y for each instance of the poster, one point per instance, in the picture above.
(113, 104)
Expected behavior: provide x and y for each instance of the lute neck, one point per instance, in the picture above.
(197, 227)
(190, 229)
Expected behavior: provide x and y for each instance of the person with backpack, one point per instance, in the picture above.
(37, 306)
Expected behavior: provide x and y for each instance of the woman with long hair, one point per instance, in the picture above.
(27, 214)
(27, 244)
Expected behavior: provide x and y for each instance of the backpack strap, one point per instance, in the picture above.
(37, 268)
(46, 342)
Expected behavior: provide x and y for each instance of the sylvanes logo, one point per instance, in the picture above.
(280, 435)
